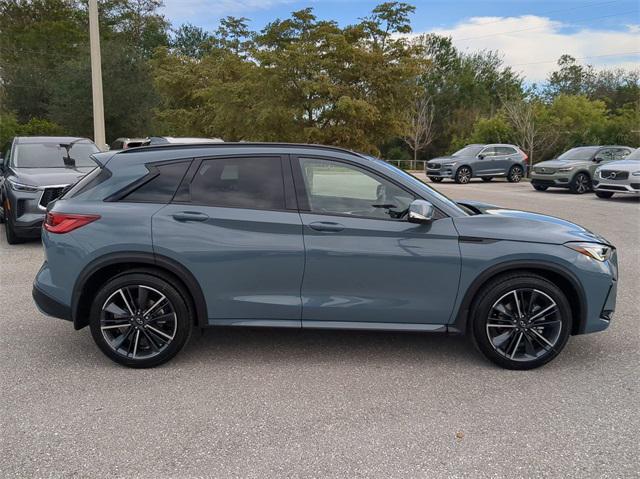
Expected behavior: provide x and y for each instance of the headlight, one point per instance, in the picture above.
(22, 187)
(449, 164)
(565, 169)
(635, 173)
(596, 251)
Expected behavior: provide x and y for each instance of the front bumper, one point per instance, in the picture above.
(556, 180)
(444, 172)
(624, 187)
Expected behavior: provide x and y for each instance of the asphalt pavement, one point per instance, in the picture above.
(285, 403)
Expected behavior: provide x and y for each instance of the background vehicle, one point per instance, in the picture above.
(214, 235)
(161, 140)
(621, 176)
(574, 168)
(124, 143)
(34, 172)
(482, 161)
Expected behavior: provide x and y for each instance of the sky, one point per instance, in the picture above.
(530, 34)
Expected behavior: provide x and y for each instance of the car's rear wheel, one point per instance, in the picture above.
(515, 174)
(436, 179)
(604, 194)
(463, 175)
(581, 183)
(521, 321)
(487, 178)
(539, 187)
(140, 320)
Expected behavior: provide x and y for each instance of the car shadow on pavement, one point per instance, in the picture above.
(258, 345)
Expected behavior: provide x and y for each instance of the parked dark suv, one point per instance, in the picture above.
(161, 239)
(34, 171)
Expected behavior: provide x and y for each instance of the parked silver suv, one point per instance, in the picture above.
(618, 177)
(482, 161)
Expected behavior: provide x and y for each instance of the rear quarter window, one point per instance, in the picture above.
(161, 183)
(88, 182)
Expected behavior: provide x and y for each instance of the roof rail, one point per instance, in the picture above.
(184, 146)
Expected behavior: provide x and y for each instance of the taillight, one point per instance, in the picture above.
(63, 223)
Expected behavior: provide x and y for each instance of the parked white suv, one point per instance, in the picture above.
(618, 177)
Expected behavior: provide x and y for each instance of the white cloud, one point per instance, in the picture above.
(538, 42)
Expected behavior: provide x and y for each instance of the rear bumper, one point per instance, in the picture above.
(50, 306)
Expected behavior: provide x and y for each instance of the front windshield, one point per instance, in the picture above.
(579, 154)
(635, 155)
(467, 151)
(54, 155)
(418, 183)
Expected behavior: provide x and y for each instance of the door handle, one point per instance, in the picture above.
(326, 226)
(190, 216)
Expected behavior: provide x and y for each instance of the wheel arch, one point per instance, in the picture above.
(100, 270)
(467, 165)
(558, 275)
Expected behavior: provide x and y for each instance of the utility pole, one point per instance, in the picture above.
(96, 77)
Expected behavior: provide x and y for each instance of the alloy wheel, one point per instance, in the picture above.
(138, 322)
(464, 175)
(516, 174)
(524, 325)
(582, 183)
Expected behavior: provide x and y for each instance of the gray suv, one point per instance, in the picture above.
(482, 161)
(159, 240)
(34, 171)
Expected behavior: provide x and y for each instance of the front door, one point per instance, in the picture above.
(231, 226)
(485, 164)
(365, 263)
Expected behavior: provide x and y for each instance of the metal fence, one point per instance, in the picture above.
(410, 165)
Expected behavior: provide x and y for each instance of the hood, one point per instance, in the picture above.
(494, 222)
(559, 163)
(624, 165)
(50, 176)
(440, 159)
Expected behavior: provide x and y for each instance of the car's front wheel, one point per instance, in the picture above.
(463, 175)
(521, 321)
(140, 320)
(580, 184)
(604, 194)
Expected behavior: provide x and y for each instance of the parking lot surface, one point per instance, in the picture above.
(273, 403)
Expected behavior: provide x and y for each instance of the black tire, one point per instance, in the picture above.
(487, 178)
(463, 175)
(173, 319)
(436, 179)
(10, 232)
(580, 184)
(543, 337)
(539, 187)
(515, 174)
(604, 194)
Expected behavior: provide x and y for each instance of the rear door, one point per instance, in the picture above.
(234, 224)
(506, 157)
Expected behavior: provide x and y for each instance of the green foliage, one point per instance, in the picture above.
(10, 127)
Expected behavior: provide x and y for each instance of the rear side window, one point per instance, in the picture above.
(162, 185)
(89, 181)
(255, 183)
(504, 150)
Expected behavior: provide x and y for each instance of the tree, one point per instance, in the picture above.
(420, 124)
(190, 41)
(527, 130)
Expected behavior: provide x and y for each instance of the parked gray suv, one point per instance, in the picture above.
(34, 171)
(159, 240)
(482, 161)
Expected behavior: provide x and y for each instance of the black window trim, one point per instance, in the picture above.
(122, 193)
(183, 193)
(303, 201)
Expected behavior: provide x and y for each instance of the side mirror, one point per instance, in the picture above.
(420, 211)
(599, 159)
(481, 157)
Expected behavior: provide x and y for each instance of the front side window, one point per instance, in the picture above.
(333, 187)
(254, 183)
(55, 155)
(489, 151)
